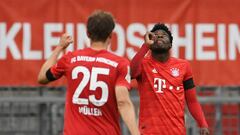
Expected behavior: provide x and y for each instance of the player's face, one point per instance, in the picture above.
(161, 42)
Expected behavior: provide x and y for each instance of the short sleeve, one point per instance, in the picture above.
(123, 78)
(59, 69)
(188, 73)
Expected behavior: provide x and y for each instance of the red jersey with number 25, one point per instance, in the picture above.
(162, 96)
(91, 107)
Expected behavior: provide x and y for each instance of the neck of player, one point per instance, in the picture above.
(99, 45)
(161, 57)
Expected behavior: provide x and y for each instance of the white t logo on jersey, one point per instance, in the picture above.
(159, 84)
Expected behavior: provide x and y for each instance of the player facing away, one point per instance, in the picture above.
(164, 84)
(98, 82)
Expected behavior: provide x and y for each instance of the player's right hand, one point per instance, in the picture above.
(65, 40)
(149, 38)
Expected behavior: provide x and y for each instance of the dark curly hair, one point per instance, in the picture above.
(162, 26)
(100, 25)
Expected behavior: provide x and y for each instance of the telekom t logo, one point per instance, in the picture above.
(159, 84)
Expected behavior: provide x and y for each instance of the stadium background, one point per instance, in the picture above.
(206, 32)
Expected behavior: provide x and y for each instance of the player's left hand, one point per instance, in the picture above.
(65, 40)
(204, 131)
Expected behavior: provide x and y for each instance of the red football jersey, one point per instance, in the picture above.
(162, 96)
(91, 107)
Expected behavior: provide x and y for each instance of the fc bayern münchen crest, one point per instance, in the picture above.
(175, 72)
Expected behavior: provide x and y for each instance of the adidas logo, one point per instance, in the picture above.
(154, 71)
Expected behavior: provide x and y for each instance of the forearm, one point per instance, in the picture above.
(137, 60)
(195, 108)
(197, 113)
(126, 109)
(49, 63)
(127, 113)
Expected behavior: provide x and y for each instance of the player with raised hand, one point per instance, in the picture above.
(98, 82)
(164, 83)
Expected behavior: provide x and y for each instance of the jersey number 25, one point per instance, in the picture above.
(94, 84)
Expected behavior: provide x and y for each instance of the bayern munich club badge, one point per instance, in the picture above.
(175, 72)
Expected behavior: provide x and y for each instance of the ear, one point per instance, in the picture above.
(88, 34)
(110, 36)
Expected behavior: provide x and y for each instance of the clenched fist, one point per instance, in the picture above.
(65, 40)
(149, 38)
